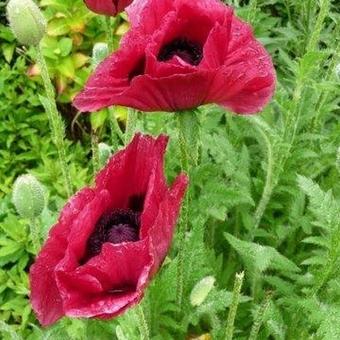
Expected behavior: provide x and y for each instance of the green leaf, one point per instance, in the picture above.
(65, 46)
(261, 258)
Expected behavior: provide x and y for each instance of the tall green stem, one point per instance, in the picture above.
(324, 9)
(142, 323)
(259, 317)
(188, 137)
(252, 11)
(268, 187)
(234, 304)
(110, 35)
(56, 123)
(116, 133)
(95, 153)
(130, 125)
(35, 235)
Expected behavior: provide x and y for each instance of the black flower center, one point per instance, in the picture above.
(117, 226)
(189, 51)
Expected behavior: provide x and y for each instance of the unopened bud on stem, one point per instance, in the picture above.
(104, 153)
(26, 21)
(202, 290)
(99, 53)
(28, 197)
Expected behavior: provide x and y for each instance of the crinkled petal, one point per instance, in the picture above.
(107, 7)
(108, 283)
(45, 297)
(127, 173)
(162, 231)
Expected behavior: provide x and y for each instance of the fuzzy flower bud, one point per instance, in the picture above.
(104, 153)
(99, 53)
(28, 196)
(27, 21)
(201, 290)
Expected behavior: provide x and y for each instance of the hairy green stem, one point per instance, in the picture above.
(268, 187)
(116, 133)
(259, 317)
(95, 153)
(234, 305)
(324, 95)
(35, 235)
(252, 11)
(142, 323)
(130, 125)
(110, 33)
(315, 37)
(55, 120)
(332, 260)
(183, 225)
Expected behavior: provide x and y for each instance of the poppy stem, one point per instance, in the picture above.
(55, 120)
(188, 136)
(110, 35)
(95, 152)
(260, 316)
(116, 133)
(142, 323)
(234, 304)
(35, 234)
(130, 124)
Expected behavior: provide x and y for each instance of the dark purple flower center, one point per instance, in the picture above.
(116, 226)
(138, 70)
(189, 51)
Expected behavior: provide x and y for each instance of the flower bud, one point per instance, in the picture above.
(201, 290)
(99, 53)
(27, 21)
(104, 153)
(28, 196)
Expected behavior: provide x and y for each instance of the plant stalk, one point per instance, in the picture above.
(55, 120)
(130, 125)
(142, 323)
(110, 35)
(116, 133)
(234, 304)
(35, 235)
(188, 136)
(95, 153)
(260, 316)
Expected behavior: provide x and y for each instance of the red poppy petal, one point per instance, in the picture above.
(162, 231)
(122, 271)
(105, 7)
(113, 76)
(158, 93)
(152, 15)
(149, 17)
(83, 226)
(128, 172)
(247, 73)
(45, 297)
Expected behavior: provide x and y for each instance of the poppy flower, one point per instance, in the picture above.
(107, 7)
(179, 55)
(110, 239)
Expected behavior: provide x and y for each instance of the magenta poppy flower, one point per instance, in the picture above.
(179, 55)
(109, 240)
(107, 7)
